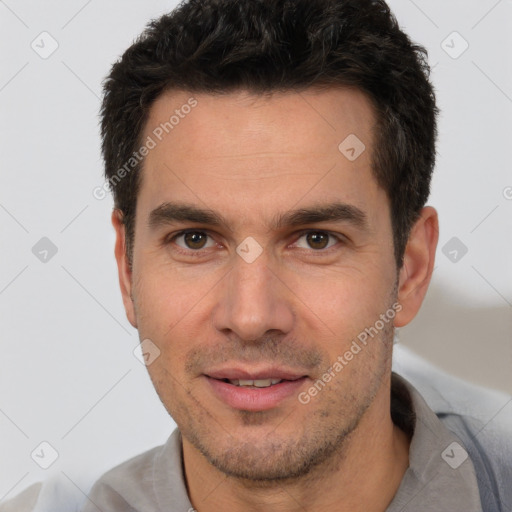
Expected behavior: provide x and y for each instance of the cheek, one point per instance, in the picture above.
(343, 300)
(166, 298)
(173, 312)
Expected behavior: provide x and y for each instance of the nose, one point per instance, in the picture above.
(253, 301)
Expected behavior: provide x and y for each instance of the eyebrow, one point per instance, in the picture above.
(171, 212)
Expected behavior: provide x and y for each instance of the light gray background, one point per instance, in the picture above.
(68, 373)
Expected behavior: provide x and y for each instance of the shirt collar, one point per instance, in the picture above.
(441, 476)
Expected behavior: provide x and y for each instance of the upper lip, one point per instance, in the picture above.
(251, 374)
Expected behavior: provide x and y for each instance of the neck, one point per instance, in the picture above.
(363, 476)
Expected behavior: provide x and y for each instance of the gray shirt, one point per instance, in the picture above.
(440, 477)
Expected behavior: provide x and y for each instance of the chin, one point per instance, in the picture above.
(271, 460)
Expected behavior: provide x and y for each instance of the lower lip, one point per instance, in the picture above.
(255, 399)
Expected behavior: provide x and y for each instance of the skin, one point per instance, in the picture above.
(299, 304)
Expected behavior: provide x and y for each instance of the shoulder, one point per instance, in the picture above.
(480, 417)
(150, 482)
(126, 487)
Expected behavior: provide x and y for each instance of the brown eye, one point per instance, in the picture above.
(317, 240)
(195, 239)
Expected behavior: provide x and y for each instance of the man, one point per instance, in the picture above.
(270, 163)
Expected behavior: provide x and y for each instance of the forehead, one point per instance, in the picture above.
(280, 122)
(263, 151)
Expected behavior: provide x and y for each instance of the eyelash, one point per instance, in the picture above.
(200, 252)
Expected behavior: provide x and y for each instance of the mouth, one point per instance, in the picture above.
(259, 393)
(254, 383)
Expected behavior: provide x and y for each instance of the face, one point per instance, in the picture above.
(263, 252)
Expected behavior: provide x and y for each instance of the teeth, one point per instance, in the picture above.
(260, 383)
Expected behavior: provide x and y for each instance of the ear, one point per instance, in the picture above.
(123, 268)
(418, 265)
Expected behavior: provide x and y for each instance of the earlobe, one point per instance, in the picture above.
(418, 265)
(123, 267)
